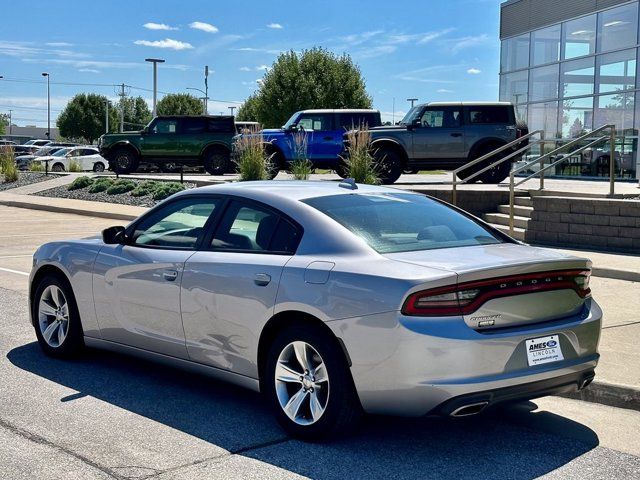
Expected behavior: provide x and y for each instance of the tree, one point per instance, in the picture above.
(136, 112)
(84, 117)
(179, 104)
(4, 122)
(315, 78)
(248, 111)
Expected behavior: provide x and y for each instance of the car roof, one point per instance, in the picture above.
(340, 110)
(464, 104)
(290, 189)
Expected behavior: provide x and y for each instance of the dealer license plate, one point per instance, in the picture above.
(544, 350)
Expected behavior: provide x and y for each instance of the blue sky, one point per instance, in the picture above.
(430, 49)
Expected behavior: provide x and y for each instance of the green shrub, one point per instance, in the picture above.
(145, 188)
(74, 166)
(166, 189)
(253, 161)
(300, 167)
(8, 165)
(121, 186)
(101, 185)
(36, 167)
(360, 164)
(80, 182)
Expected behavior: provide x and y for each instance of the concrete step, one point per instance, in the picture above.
(503, 219)
(519, 210)
(518, 233)
(523, 201)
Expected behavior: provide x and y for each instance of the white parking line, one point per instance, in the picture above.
(14, 271)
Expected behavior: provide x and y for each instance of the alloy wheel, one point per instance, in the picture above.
(53, 316)
(302, 383)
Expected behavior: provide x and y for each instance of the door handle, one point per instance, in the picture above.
(262, 279)
(170, 275)
(328, 139)
(456, 134)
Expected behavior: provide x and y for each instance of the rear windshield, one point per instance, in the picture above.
(402, 222)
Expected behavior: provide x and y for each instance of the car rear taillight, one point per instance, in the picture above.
(466, 298)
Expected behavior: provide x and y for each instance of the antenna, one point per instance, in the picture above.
(348, 183)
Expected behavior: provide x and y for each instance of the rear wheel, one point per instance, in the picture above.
(342, 169)
(56, 318)
(98, 167)
(275, 163)
(217, 161)
(124, 161)
(389, 165)
(57, 167)
(493, 175)
(309, 386)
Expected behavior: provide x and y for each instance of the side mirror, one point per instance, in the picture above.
(113, 235)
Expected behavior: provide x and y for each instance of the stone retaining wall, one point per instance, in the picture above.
(597, 223)
(476, 202)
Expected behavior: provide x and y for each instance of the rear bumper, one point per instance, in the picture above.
(413, 366)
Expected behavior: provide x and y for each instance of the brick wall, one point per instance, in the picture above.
(585, 222)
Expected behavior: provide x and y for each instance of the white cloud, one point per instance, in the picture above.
(457, 44)
(205, 27)
(376, 51)
(258, 50)
(59, 44)
(275, 26)
(262, 67)
(420, 38)
(444, 90)
(474, 71)
(432, 74)
(360, 38)
(88, 70)
(158, 26)
(245, 69)
(166, 43)
(96, 64)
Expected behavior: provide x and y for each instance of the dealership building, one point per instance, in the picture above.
(571, 66)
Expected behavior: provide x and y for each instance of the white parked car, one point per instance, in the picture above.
(87, 157)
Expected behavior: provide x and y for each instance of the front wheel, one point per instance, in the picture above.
(124, 161)
(216, 161)
(56, 318)
(98, 167)
(389, 165)
(309, 386)
(58, 167)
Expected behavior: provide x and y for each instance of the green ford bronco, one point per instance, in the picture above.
(172, 140)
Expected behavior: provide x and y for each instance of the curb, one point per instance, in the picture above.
(608, 394)
(60, 209)
(627, 275)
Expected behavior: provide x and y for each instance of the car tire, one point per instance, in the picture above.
(216, 161)
(332, 400)
(388, 165)
(342, 169)
(57, 167)
(124, 161)
(410, 170)
(98, 167)
(497, 174)
(56, 319)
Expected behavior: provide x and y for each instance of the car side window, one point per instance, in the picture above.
(165, 125)
(177, 225)
(441, 118)
(489, 114)
(315, 122)
(251, 228)
(193, 125)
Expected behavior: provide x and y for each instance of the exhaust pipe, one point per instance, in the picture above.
(468, 410)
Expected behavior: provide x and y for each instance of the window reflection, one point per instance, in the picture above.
(543, 83)
(618, 27)
(617, 71)
(515, 53)
(577, 117)
(577, 77)
(579, 37)
(514, 87)
(545, 45)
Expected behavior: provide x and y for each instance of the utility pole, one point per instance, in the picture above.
(106, 116)
(412, 100)
(122, 94)
(232, 109)
(393, 112)
(206, 89)
(10, 121)
(45, 74)
(155, 62)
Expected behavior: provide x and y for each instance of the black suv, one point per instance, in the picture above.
(446, 136)
(167, 141)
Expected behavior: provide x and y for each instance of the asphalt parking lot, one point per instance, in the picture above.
(112, 416)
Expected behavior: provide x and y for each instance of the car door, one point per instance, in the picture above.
(229, 288)
(322, 143)
(87, 157)
(439, 134)
(137, 284)
(161, 139)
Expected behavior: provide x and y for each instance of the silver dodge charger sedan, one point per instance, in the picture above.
(331, 299)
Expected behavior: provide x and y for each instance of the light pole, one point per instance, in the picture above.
(155, 62)
(232, 109)
(45, 74)
(204, 99)
(10, 111)
(206, 89)
(412, 100)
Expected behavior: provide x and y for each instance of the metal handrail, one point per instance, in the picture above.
(612, 139)
(498, 162)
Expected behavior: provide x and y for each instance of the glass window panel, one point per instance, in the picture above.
(618, 27)
(514, 87)
(617, 71)
(577, 117)
(577, 77)
(515, 53)
(545, 45)
(616, 109)
(544, 116)
(579, 37)
(543, 83)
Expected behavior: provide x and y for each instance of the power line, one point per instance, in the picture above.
(17, 107)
